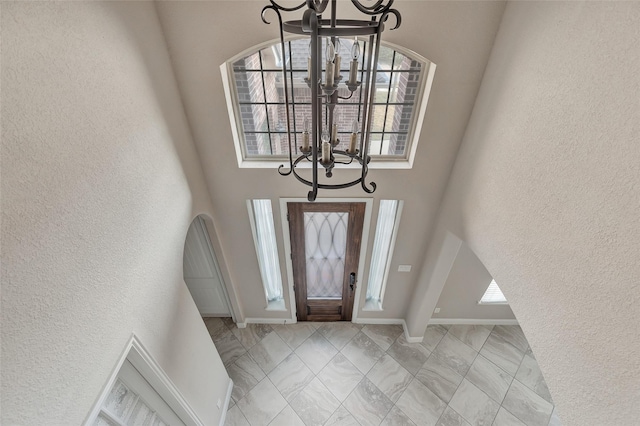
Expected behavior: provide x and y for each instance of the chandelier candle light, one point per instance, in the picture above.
(320, 143)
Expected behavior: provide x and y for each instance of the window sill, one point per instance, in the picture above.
(274, 163)
(276, 305)
(493, 303)
(372, 305)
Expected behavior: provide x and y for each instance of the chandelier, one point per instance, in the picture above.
(320, 143)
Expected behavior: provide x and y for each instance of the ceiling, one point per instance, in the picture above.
(201, 36)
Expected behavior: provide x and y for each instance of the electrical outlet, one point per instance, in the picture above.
(404, 268)
(436, 311)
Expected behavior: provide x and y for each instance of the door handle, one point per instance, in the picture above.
(352, 280)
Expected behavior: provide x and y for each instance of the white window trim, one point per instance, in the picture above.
(427, 74)
(497, 302)
(140, 358)
(270, 305)
(376, 305)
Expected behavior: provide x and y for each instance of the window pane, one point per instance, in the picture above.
(401, 62)
(397, 144)
(381, 248)
(493, 294)
(278, 118)
(302, 93)
(382, 86)
(280, 143)
(384, 58)
(249, 86)
(375, 144)
(260, 91)
(267, 249)
(274, 86)
(251, 62)
(271, 57)
(389, 119)
(300, 53)
(258, 144)
(378, 118)
(253, 118)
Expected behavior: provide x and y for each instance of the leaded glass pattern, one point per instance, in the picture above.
(325, 236)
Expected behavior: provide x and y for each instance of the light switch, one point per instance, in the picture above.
(404, 268)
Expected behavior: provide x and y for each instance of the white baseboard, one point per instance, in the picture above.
(472, 321)
(227, 400)
(394, 321)
(265, 321)
(398, 321)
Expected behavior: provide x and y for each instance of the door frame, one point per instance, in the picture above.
(363, 247)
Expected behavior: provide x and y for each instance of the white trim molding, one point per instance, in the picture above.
(142, 360)
(227, 400)
(473, 321)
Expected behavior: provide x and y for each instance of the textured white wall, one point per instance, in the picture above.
(100, 181)
(546, 191)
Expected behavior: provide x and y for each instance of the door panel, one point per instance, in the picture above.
(201, 273)
(325, 244)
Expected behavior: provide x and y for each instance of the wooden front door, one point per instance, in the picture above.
(325, 249)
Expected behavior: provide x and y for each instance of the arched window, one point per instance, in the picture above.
(255, 93)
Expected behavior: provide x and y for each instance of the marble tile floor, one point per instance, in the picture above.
(313, 374)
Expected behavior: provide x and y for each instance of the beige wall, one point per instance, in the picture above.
(545, 191)
(201, 36)
(100, 181)
(464, 287)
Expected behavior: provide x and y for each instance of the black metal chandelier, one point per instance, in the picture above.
(319, 144)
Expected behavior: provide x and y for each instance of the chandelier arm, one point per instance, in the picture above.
(317, 5)
(329, 186)
(367, 190)
(312, 195)
(372, 7)
(393, 12)
(287, 173)
(375, 9)
(288, 9)
(343, 162)
(264, 9)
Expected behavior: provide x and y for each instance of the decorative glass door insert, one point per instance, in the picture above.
(325, 249)
(325, 235)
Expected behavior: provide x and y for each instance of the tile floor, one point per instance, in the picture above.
(348, 374)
